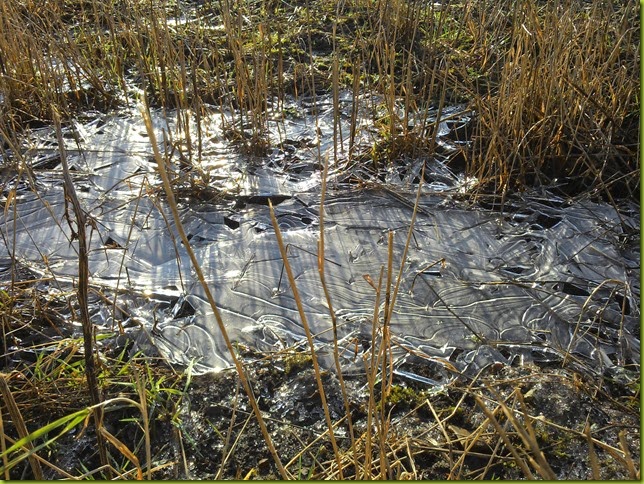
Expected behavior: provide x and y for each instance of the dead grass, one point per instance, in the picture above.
(553, 86)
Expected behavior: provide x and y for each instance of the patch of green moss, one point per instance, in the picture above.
(456, 412)
(401, 395)
(296, 362)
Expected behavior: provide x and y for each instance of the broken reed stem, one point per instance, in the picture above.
(140, 389)
(145, 112)
(124, 450)
(441, 426)
(386, 326)
(410, 232)
(309, 337)
(592, 454)
(503, 434)
(372, 373)
(526, 433)
(228, 449)
(468, 445)
(633, 473)
(385, 358)
(584, 309)
(3, 445)
(614, 452)
(82, 291)
(528, 436)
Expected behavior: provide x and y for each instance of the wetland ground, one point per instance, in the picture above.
(135, 135)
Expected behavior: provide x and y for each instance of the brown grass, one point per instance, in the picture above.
(553, 85)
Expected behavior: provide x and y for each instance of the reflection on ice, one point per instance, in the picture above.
(544, 279)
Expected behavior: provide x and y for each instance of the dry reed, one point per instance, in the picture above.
(553, 86)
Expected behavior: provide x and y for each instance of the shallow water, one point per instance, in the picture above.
(543, 278)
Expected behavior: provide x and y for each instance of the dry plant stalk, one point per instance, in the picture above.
(334, 322)
(309, 337)
(385, 360)
(506, 440)
(21, 428)
(228, 452)
(526, 432)
(82, 291)
(371, 367)
(123, 449)
(3, 447)
(633, 473)
(592, 455)
(197, 267)
(140, 389)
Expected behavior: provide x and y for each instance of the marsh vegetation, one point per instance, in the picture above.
(271, 116)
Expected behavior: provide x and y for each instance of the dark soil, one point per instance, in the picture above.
(208, 431)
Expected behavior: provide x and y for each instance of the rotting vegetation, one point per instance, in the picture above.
(552, 90)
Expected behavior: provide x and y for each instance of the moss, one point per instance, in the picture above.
(402, 395)
(296, 362)
(456, 412)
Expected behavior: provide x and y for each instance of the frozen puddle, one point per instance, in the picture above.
(544, 278)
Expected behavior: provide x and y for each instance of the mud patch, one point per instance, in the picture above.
(208, 431)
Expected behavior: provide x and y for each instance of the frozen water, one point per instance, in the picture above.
(541, 279)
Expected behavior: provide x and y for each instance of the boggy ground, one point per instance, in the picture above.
(430, 434)
(563, 106)
(508, 422)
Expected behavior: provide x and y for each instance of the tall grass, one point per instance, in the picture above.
(553, 87)
(563, 101)
(553, 84)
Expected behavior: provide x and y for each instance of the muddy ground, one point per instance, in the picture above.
(205, 429)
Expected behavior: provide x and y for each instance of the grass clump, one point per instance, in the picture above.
(51, 404)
